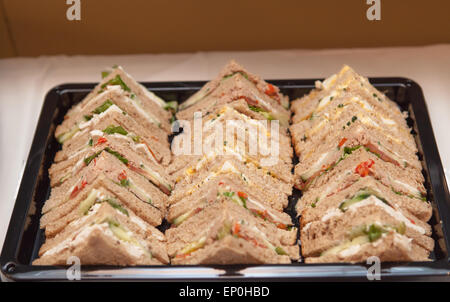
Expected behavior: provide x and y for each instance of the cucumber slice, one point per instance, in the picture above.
(86, 204)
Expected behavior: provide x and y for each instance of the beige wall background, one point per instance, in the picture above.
(40, 27)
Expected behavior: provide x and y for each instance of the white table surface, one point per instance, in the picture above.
(25, 81)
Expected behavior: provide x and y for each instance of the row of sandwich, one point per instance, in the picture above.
(224, 181)
(362, 182)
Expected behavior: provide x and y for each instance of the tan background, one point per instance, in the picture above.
(40, 27)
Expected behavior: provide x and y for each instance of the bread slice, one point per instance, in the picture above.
(237, 87)
(198, 240)
(149, 102)
(106, 236)
(230, 69)
(359, 162)
(321, 199)
(136, 156)
(277, 192)
(113, 117)
(389, 248)
(233, 187)
(370, 216)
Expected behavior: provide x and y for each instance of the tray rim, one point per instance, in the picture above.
(11, 270)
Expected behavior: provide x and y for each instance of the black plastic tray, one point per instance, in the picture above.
(24, 237)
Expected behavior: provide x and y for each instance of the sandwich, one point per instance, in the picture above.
(232, 85)
(318, 200)
(359, 160)
(113, 95)
(275, 191)
(345, 117)
(240, 137)
(371, 217)
(391, 246)
(106, 234)
(156, 109)
(105, 176)
(363, 188)
(228, 71)
(226, 233)
(233, 187)
(114, 140)
(113, 121)
(346, 82)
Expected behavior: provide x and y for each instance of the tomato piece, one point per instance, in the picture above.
(149, 149)
(77, 189)
(122, 175)
(236, 228)
(242, 195)
(342, 142)
(363, 168)
(100, 141)
(270, 90)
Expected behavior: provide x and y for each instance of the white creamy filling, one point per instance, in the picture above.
(97, 117)
(136, 104)
(82, 236)
(316, 166)
(331, 213)
(326, 100)
(306, 227)
(259, 205)
(353, 249)
(407, 187)
(326, 84)
(335, 184)
(266, 106)
(403, 240)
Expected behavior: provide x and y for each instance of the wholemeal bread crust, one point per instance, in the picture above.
(212, 219)
(97, 249)
(231, 250)
(150, 234)
(112, 168)
(322, 235)
(139, 90)
(414, 208)
(228, 182)
(388, 250)
(381, 170)
(159, 145)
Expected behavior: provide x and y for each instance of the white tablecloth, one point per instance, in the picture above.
(25, 81)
